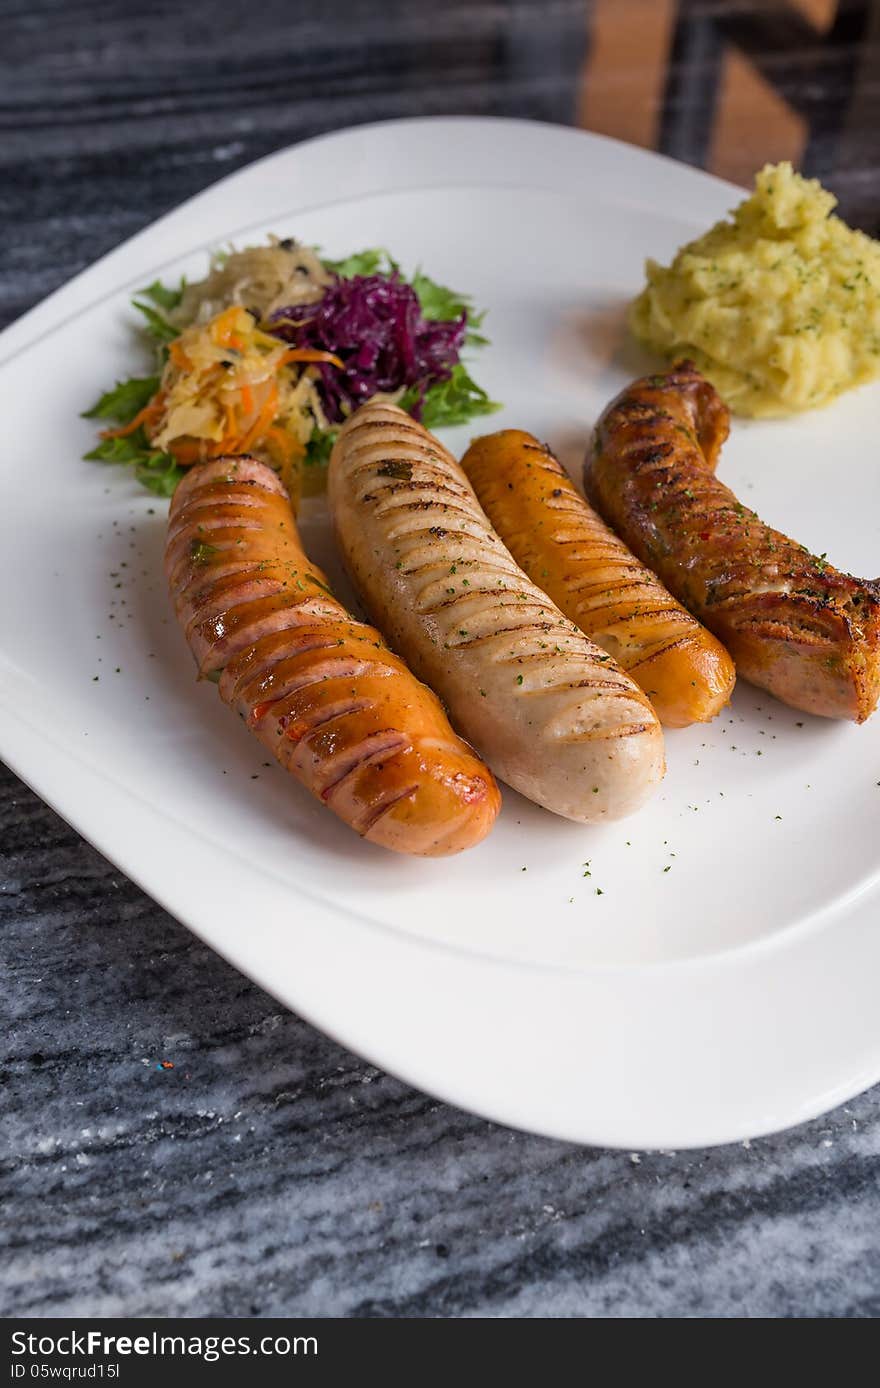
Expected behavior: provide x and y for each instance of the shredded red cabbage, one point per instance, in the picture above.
(374, 324)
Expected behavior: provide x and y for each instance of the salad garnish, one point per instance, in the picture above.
(271, 352)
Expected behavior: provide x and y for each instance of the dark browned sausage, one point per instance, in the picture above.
(793, 624)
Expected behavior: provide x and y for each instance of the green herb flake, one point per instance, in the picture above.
(396, 468)
(200, 553)
(313, 578)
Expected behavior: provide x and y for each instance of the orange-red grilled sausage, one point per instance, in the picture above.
(320, 689)
(793, 624)
(595, 580)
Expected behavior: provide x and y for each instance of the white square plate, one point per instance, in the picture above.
(728, 996)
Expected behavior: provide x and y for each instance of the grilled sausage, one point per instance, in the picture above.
(554, 716)
(793, 624)
(593, 578)
(321, 691)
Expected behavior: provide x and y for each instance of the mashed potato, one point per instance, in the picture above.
(780, 306)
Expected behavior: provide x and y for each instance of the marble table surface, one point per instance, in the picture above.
(173, 1142)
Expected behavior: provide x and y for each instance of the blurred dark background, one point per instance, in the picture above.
(114, 112)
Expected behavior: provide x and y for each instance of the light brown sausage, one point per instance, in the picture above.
(793, 623)
(319, 689)
(552, 714)
(569, 551)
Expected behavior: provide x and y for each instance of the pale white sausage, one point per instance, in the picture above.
(553, 715)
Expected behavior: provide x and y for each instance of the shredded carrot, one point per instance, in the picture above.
(243, 397)
(311, 354)
(187, 451)
(151, 410)
(224, 328)
(263, 420)
(178, 355)
(284, 443)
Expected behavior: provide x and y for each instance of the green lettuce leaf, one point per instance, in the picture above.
(377, 261)
(319, 447)
(441, 304)
(155, 470)
(125, 400)
(451, 402)
(162, 296)
(156, 324)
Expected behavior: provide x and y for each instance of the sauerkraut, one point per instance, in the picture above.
(260, 278)
(228, 387)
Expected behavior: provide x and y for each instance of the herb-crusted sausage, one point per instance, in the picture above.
(553, 714)
(318, 688)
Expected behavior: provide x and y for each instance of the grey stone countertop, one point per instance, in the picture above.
(265, 1170)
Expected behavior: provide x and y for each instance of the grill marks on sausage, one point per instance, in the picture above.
(746, 558)
(384, 806)
(485, 601)
(596, 581)
(272, 691)
(763, 594)
(556, 716)
(319, 688)
(478, 602)
(337, 767)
